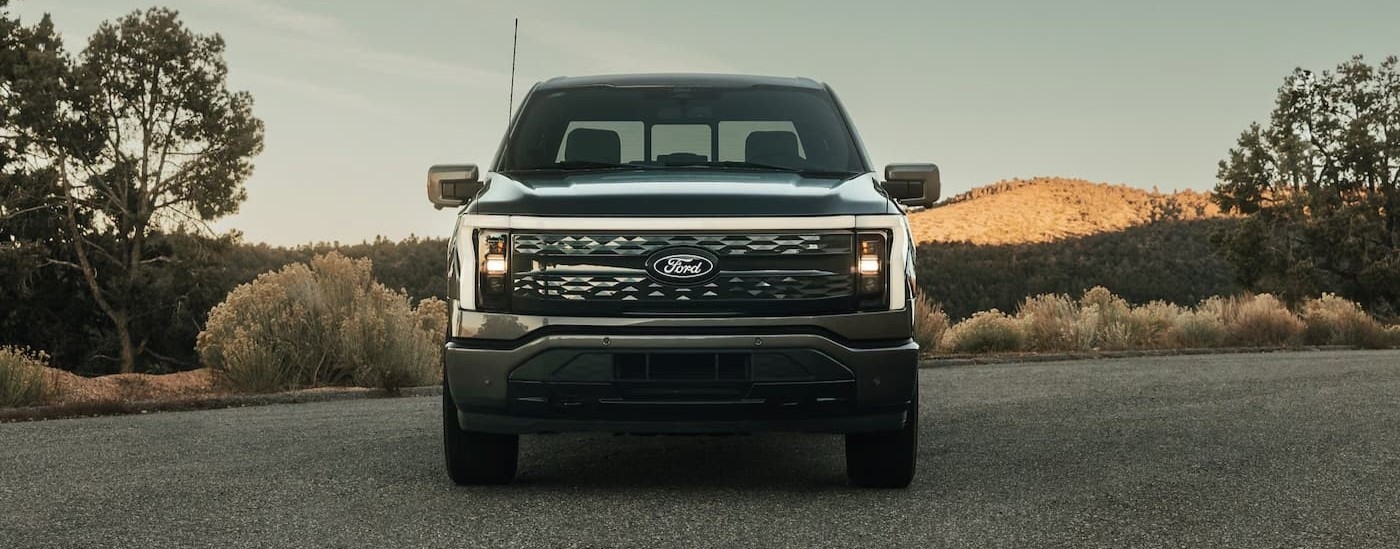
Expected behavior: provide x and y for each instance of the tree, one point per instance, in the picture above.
(37, 307)
(173, 146)
(1320, 188)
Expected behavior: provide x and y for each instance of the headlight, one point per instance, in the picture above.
(493, 268)
(872, 259)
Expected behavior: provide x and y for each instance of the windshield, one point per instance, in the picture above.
(750, 128)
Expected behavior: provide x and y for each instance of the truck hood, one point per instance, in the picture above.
(677, 193)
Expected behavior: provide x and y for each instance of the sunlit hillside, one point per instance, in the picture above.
(1047, 209)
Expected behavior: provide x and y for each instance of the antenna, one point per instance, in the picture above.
(514, 43)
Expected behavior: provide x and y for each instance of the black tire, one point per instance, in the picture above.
(884, 459)
(475, 458)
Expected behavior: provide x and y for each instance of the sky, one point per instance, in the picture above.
(360, 97)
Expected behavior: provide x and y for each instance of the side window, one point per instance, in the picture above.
(688, 139)
(734, 135)
(630, 136)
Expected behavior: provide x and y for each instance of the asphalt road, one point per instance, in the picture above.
(1269, 450)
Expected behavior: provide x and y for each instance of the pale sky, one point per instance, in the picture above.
(361, 97)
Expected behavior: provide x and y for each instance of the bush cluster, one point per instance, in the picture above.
(1100, 320)
(1332, 320)
(24, 379)
(326, 323)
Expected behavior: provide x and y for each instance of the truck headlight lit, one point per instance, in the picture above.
(870, 267)
(495, 264)
(494, 269)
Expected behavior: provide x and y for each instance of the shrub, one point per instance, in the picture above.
(1052, 322)
(328, 323)
(987, 331)
(1393, 335)
(1196, 330)
(1112, 318)
(930, 322)
(1154, 323)
(1099, 319)
(1256, 321)
(24, 380)
(1333, 320)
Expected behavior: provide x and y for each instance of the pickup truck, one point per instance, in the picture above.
(681, 254)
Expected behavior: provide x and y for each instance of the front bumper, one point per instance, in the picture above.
(685, 375)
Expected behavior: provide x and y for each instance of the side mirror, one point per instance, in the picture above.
(452, 185)
(913, 184)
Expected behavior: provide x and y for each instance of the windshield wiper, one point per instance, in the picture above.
(765, 167)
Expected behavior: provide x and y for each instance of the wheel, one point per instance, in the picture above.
(884, 459)
(473, 457)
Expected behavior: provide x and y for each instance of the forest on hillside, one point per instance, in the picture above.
(1169, 260)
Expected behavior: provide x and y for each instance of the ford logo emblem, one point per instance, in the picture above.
(683, 266)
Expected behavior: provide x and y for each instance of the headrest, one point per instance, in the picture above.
(592, 145)
(778, 147)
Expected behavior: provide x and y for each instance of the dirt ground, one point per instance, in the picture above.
(75, 389)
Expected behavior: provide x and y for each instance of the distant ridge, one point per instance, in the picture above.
(1046, 209)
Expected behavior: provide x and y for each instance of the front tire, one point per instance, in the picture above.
(885, 459)
(475, 458)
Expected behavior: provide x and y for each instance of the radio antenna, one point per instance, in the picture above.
(514, 43)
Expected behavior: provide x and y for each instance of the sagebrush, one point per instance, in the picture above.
(1101, 320)
(24, 378)
(1333, 320)
(985, 332)
(326, 323)
(1256, 321)
(930, 322)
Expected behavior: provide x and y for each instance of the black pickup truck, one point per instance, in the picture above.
(681, 254)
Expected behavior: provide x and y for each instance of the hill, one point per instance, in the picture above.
(993, 246)
(1048, 209)
(1165, 260)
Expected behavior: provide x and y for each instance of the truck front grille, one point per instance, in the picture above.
(583, 274)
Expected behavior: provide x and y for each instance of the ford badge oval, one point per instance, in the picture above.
(683, 266)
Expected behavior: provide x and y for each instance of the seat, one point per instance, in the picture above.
(776, 148)
(593, 145)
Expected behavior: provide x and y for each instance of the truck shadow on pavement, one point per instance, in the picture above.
(768, 461)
